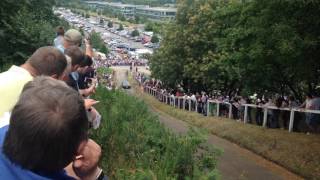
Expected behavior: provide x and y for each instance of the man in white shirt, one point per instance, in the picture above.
(47, 61)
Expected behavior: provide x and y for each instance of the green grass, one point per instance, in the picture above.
(104, 70)
(298, 152)
(137, 146)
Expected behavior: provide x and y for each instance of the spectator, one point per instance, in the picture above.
(269, 102)
(259, 112)
(285, 115)
(44, 61)
(48, 130)
(74, 38)
(276, 113)
(58, 41)
(79, 63)
(307, 105)
(248, 101)
(314, 120)
(71, 38)
(235, 108)
(292, 103)
(77, 57)
(86, 73)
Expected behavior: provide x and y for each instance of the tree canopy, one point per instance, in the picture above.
(254, 46)
(25, 26)
(98, 43)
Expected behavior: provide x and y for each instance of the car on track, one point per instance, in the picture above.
(125, 84)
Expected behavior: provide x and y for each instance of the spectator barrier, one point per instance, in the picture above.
(190, 105)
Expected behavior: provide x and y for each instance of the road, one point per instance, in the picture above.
(236, 162)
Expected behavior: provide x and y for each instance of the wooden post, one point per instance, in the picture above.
(190, 104)
(208, 104)
(245, 118)
(230, 110)
(218, 108)
(291, 120)
(184, 103)
(265, 117)
(196, 106)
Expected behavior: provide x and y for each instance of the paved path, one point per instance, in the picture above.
(235, 162)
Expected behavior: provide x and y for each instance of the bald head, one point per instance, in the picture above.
(48, 61)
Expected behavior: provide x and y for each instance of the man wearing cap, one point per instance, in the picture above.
(74, 38)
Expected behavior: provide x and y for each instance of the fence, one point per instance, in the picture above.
(192, 105)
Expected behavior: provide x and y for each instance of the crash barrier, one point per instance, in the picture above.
(223, 108)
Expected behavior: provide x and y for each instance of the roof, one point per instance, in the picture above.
(158, 9)
(142, 7)
(111, 4)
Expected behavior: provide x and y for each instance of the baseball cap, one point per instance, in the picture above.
(73, 35)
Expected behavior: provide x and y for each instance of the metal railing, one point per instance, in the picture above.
(192, 105)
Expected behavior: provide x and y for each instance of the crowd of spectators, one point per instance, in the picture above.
(277, 116)
(46, 113)
(117, 60)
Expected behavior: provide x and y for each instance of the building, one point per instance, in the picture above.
(157, 13)
(129, 10)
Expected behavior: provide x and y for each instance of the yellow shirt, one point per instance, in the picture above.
(11, 85)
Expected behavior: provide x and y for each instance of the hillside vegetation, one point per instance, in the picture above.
(136, 146)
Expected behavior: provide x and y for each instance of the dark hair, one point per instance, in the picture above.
(60, 31)
(87, 61)
(279, 101)
(291, 98)
(47, 125)
(48, 61)
(76, 55)
(309, 95)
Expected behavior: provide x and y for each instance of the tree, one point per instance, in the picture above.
(120, 27)
(25, 26)
(121, 17)
(137, 19)
(98, 43)
(148, 26)
(135, 33)
(254, 46)
(104, 49)
(154, 39)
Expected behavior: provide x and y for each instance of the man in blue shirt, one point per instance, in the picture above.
(48, 130)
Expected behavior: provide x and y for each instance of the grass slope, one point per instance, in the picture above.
(136, 146)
